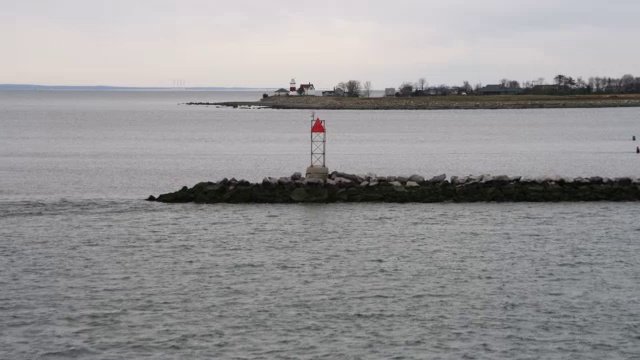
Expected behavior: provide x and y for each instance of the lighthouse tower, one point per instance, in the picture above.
(318, 168)
(292, 87)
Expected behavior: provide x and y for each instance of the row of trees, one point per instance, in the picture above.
(562, 85)
(422, 88)
(354, 88)
(627, 84)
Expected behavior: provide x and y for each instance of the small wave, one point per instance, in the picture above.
(72, 352)
(247, 265)
(287, 267)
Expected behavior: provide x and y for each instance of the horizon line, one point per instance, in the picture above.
(31, 86)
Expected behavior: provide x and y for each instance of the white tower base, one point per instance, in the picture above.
(317, 172)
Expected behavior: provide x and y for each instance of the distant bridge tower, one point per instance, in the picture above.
(179, 84)
(318, 168)
(292, 86)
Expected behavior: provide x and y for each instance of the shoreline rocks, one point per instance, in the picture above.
(435, 102)
(343, 187)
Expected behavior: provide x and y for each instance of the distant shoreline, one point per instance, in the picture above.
(29, 87)
(438, 102)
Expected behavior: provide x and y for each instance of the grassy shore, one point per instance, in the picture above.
(442, 102)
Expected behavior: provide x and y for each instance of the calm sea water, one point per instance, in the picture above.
(89, 270)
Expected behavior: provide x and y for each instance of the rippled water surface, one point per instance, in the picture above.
(88, 270)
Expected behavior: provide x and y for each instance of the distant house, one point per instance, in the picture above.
(334, 92)
(281, 92)
(308, 89)
(390, 92)
(499, 90)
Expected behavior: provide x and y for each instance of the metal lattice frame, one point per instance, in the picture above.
(318, 145)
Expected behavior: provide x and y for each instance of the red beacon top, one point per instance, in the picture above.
(317, 127)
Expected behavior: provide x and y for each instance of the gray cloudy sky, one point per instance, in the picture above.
(264, 43)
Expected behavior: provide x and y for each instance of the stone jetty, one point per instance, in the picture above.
(436, 102)
(343, 187)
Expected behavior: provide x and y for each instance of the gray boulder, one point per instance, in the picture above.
(623, 180)
(555, 178)
(411, 184)
(595, 180)
(285, 181)
(341, 180)
(299, 195)
(416, 178)
(486, 178)
(439, 178)
(337, 174)
(542, 179)
(269, 181)
(312, 181)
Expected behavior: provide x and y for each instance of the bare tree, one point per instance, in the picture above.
(592, 83)
(405, 89)
(354, 87)
(466, 88)
(421, 84)
(366, 92)
(627, 83)
(443, 89)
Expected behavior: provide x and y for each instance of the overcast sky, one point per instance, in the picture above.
(265, 43)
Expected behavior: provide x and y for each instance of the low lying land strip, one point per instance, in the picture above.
(440, 102)
(343, 187)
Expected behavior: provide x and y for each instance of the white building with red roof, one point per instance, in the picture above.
(307, 89)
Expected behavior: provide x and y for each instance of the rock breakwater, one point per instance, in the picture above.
(450, 102)
(343, 187)
(437, 102)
